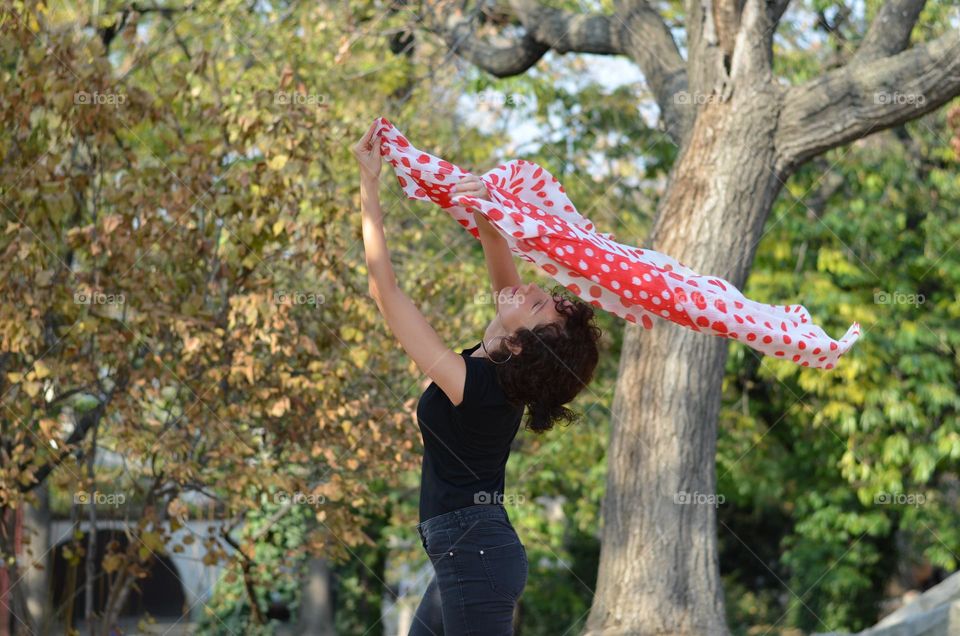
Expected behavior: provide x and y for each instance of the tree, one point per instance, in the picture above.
(742, 133)
(841, 489)
(177, 278)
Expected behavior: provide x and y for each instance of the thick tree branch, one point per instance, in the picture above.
(730, 44)
(858, 99)
(567, 32)
(777, 9)
(726, 20)
(635, 30)
(889, 33)
(544, 28)
(706, 75)
(648, 42)
(502, 57)
(753, 53)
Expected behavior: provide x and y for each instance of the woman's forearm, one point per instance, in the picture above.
(380, 272)
(485, 229)
(496, 251)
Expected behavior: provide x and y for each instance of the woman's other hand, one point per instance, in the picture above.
(470, 186)
(367, 152)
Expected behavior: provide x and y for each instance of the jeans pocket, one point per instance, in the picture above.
(437, 544)
(506, 568)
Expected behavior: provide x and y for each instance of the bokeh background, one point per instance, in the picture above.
(207, 427)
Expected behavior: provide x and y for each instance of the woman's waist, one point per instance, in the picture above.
(462, 518)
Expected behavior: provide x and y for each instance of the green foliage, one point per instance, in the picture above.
(275, 576)
(857, 462)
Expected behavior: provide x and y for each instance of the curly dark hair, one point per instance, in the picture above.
(557, 361)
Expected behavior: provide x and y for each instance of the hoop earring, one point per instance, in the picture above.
(484, 345)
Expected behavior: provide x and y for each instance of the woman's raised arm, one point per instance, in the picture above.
(417, 337)
(500, 264)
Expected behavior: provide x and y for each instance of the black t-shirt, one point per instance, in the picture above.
(465, 447)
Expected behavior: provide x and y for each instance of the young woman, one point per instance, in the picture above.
(538, 352)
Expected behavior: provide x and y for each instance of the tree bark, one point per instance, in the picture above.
(90, 559)
(659, 572)
(36, 581)
(316, 607)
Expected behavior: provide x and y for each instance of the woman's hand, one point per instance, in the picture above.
(470, 186)
(367, 152)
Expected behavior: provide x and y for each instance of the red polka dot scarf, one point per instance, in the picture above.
(541, 225)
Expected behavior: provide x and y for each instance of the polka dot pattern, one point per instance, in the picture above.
(531, 210)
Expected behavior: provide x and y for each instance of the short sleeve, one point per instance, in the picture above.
(480, 388)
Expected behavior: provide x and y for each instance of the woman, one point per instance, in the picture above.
(538, 352)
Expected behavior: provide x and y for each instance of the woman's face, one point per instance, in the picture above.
(526, 306)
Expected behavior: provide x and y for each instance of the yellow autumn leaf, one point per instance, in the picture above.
(111, 222)
(112, 562)
(48, 427)
(248, 372)
(32, 388)
(359, 356)
(191, 344)
(279, 407)
(278, 162)
(41, 369)
(153, 541)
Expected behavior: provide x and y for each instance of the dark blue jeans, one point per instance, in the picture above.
(480, 570)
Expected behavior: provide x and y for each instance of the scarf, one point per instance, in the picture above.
(530, 209)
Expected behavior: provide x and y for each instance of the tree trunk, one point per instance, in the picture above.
(14, 615)
(659, 572)
(316, 608)
(90, 560)
(36, 581)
